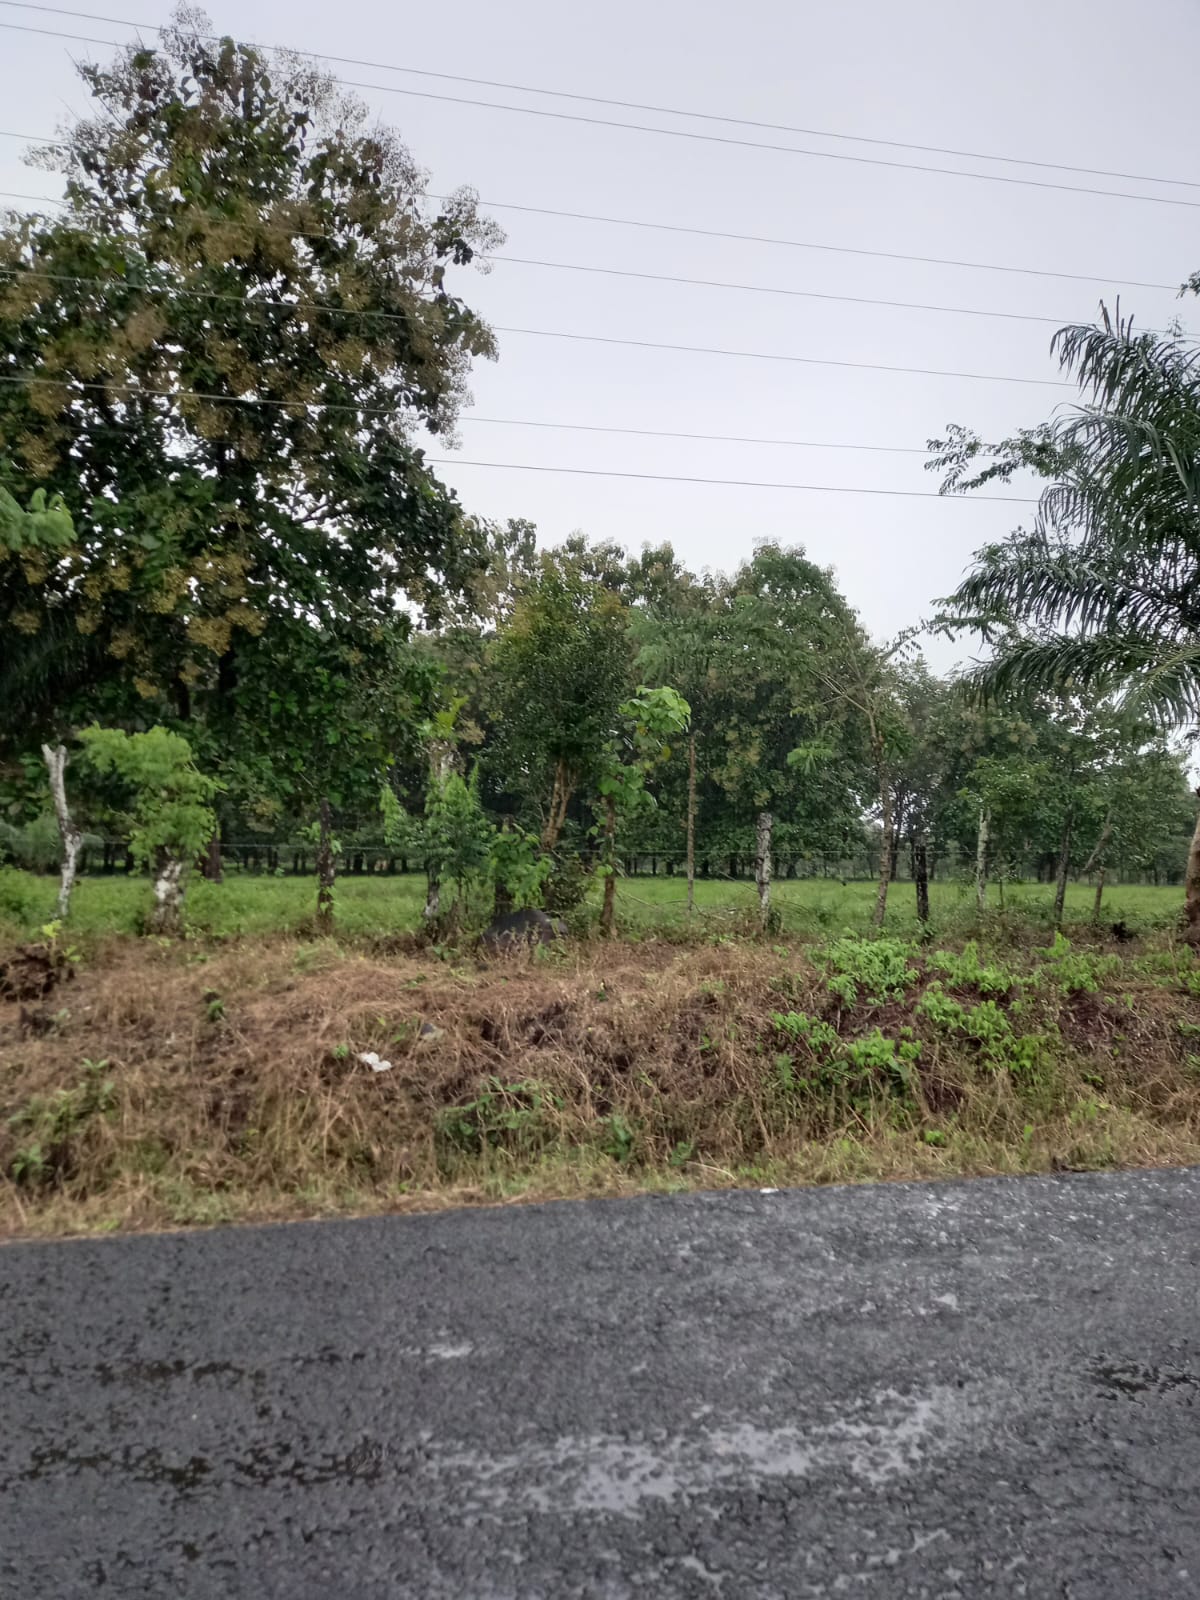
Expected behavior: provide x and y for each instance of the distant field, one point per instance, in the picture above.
(254, 905)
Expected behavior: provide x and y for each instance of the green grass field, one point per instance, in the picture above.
(380, 905)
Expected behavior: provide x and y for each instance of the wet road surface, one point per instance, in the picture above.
(940, 1391)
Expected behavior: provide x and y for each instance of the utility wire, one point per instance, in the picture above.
(631, 105)
(800, 294)
(557, 266)
(135, 392)
(804, 244)
(700, 233)
(702, 138)
(129, 391)
(736, 483)
(707, 438)
(772, 355)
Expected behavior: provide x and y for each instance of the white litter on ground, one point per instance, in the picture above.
(376, 1063)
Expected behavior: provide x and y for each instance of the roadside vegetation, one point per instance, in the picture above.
(149, 1084)
(286, 730)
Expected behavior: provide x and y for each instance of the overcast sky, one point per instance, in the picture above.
(1083, 82)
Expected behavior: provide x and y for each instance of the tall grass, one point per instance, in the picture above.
(252, 906)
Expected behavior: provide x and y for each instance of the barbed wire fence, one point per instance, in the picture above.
(256, 857)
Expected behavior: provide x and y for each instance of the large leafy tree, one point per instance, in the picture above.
(217, 356)
(782, 622)
(749, 652)
(1104, 590)
(561, 669)
(39, 652)
(678, 629)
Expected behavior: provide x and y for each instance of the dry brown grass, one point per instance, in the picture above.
(170, 1085)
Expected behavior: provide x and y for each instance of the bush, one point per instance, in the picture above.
(20, 901)
(566, 887)
(880, 966)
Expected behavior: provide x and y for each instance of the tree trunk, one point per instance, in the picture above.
(214, 872)
(921, 876)
(502, 901)
(167, 916)
(1099, 894)
(608, 912)
(55, 757)
(1191, 890)
(885, 854)
(441, 765)
(691, 827)
(1060, 882)
(981, 854)
(325, 869)
(762, 869)
(560, 799)
(1096, 859)
(433, 900)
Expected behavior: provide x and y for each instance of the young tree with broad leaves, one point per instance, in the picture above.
(169, 807)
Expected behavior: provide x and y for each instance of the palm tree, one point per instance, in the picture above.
(1104, 591)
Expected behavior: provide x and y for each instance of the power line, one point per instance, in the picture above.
(707, 438)
(29, 138)
(130, 391)
(700, 233)
(557, 266)
(752, 355)
(772, 355)
(735, 483)
(800, 294)
(779, 149)
(135, 392)
(835, 249)
(631, 105)
(597, 338)
(690, 134)
(303, 308)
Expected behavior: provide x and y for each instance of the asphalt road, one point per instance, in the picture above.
(939, 1390)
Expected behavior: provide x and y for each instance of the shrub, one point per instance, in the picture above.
(52, 1124)
(964, 969)
(880, 966)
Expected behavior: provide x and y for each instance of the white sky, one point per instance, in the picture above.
(1074, 81)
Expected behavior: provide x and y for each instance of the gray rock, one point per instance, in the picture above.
(520, 930)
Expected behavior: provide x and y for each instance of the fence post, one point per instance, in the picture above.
(762, 869)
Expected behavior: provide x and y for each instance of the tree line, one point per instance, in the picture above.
(236, 601)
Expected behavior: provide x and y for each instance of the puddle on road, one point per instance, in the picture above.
(887, 1438)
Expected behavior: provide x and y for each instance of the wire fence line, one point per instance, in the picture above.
(733, 871)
